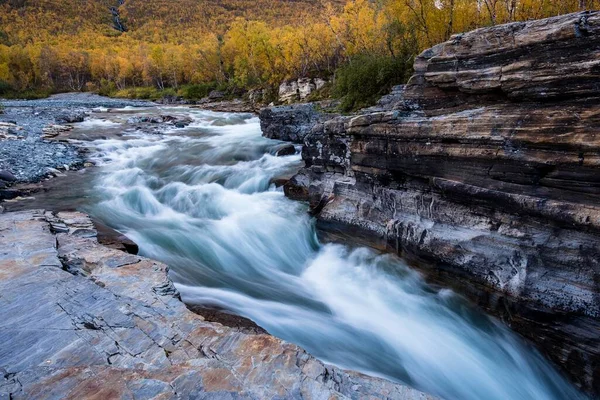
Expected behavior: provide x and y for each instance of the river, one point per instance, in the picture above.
(201, 200)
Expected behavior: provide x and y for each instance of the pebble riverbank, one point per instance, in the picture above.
(26, 156)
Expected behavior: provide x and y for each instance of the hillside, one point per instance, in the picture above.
(26, 20)
(219, 13)
(189, 47)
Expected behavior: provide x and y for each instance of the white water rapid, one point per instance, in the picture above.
(200, 199)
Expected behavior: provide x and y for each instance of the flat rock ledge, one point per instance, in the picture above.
(80, 320)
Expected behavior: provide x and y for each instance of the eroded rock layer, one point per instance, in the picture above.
(80, 320)
(485, 168)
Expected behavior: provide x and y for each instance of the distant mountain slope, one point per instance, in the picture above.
(24, 20)
(215, 12)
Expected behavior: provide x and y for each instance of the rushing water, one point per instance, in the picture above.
(201, 200)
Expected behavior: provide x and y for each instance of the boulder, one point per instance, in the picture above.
(216, 95)
(137, 120)
(285, 150)
(52, 131)
(288, 92)
(305, 87)
(69, 117)
(291, 123)
(299, 89)
(7, 176)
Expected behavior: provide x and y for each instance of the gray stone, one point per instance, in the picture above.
(70, 117)
(121, 330)
(288, 92)
(291, 123)
(7, 176)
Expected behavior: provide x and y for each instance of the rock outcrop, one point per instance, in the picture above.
(299, 89)
(80, 320)
(292, 123)
(485, 170)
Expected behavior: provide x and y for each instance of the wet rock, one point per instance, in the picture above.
(180, 121)
(484, 169)
(70, 117)
(7, 176)
(99, 322)
(52, 131)
(285, 150)
(296, 188)
(279, 182)
(224, 318)
(137, 120)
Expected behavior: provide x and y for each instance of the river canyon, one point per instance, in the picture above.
(204, 195)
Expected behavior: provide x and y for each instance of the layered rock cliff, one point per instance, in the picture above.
(485, 170)
(80, 320)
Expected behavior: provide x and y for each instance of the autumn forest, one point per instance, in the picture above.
(188, 46)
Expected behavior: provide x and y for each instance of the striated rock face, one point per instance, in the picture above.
(80, 320)
(485, 169)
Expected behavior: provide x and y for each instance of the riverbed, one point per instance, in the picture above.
(203, 200)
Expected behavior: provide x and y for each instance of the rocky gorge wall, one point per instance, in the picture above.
(485, 170)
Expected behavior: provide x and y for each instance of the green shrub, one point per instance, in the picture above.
(107, 88)
(5, 88)
(143, 93)
(366, 78)
(32, 94)
(197, 91)
(8, 92)
(322, 94)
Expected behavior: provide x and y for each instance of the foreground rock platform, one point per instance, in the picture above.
(80, 320)
(485, 170)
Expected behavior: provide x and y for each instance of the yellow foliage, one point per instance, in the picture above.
(243, 43)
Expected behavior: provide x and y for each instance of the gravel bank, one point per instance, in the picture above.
(30, 158)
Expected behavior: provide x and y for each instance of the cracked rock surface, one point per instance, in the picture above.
(80, 320)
